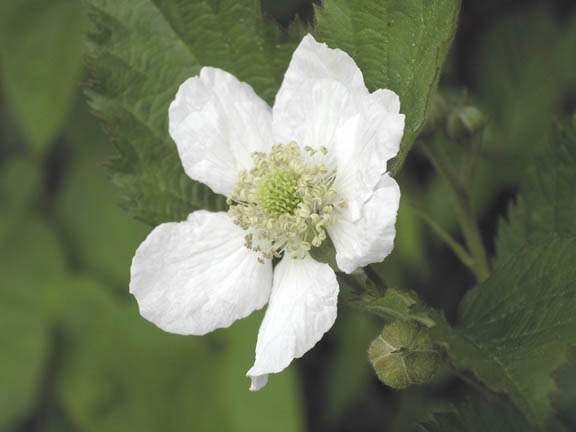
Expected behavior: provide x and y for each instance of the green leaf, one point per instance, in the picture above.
(565, 399)
(515, 328)
(478, 414)
(40, 53)
(139, 53)
(546, 204)
(101, 236)
(119, 372)
(398, 44)
(29, 258)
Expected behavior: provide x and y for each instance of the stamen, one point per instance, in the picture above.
(284, 202)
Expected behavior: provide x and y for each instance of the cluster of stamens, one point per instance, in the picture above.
(285, 202)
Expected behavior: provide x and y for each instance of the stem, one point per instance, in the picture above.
(473, 237)
(466, 217)
(454, 245)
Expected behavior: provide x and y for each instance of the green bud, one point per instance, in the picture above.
(404, 354)
(465, 121)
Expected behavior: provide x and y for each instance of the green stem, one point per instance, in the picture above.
(473, 237)
(454, 245)
(466, 217)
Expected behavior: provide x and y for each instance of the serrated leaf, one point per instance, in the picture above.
(398, 44)
(478, 414)
(40, 52)
(139, 54)
(514, 329)
(546, 204)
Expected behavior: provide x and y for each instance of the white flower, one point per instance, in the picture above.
(314, 164)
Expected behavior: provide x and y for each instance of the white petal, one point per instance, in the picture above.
(300, 107)
(258, 382)
(323, 102)
(363, 146)
(302, 308)
(217, 122)
(195, 276)
(313, 116)
(361, 133)
(371, 238)
(313, 61)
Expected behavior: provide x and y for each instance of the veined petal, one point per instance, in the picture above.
(313, 116)
(195, 276)
(217, 122)
(363, 146)
(361, 133)
(302, 308)
(323, 102)
(303, 107)
(313, 61)
(371, 238)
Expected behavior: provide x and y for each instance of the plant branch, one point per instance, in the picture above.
(466, 216)
(452, 243)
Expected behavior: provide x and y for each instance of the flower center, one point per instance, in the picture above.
(277, 193)
(286, 201)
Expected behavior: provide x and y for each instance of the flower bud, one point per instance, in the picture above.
(465, 121)
(404, 354)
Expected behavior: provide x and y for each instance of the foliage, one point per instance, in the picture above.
(479, 414)
(146, 379)
(514, 330)
(398, 44)
(136, 73)
(139, 54)
(40, 47)
(21, 292)
(514, 340)
(546, 204)
(76, 353)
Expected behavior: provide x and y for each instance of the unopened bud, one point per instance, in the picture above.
(465, 121)
(404, 354)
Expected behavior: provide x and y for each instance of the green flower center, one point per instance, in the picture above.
(277, 193)
(286, 201)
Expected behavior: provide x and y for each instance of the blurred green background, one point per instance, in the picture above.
(76, 355)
